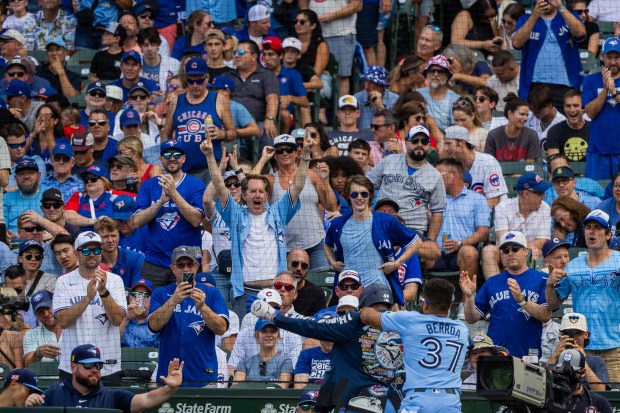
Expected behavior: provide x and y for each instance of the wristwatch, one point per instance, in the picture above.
(105, 294)
(270, 118)
(616, 93)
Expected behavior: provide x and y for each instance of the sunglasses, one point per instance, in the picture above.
(18, 74)
(175, 155)
(17, 145)
(301, 22)
(50, 205)
(296, 264)
(288, 150)
(148, 16)
(432, 27)
(91, 179)
(211, 24)
(87, 251)
(262, 368)
(438, 71)
(100, 122)
(306, 406)
(481, 99)
(89, 366)
(96, 94)
(142, 97)
(38, 228)
(137, 294)
(417, 141)
(239, 52)
(198, 81)
(376, 127)
(461, 104)
(235, 184)
(583, 11)
(363, 194)
(424, 300)
(419, 118)
(60, 158)
(36, 257)
(116, 165)
(504, 21)
(506, 250)
(81, 152)
(352, 287)
(278, 285)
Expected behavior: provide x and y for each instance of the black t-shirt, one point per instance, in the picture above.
(591, 28)
(585, 405)
(219, 71)
(310, 299)
(106, 66)
(74, 78)
(305, 71)
(571, 143)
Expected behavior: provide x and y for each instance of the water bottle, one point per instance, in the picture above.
(208, 124)
(444, 237)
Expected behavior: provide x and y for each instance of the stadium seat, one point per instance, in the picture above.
(579, 168)
(40, 55)
(516, 54)
(144, 354)
(322, 279)
(77, 100)
(40, 409)
(254, 385)
(519, 168)
(82, 57)
(139, 372)
(45, 370)
(79, 410)
(606, 30)
(4, 370)
(588, 61)
(575, 252)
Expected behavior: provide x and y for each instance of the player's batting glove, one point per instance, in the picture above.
(249, 301)
(264, 310)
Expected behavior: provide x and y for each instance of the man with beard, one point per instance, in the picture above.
(42, 343)
(89, 304)
(601, 94)
(28, 194)
(310, 298)
(84, 388)
(417, 185)
(439, 98)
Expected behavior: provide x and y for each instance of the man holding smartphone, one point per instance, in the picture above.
(188, 317)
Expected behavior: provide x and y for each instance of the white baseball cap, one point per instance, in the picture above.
(114, 92)
(292, 42)
(86, 238)
(416, 130)
(350, 274)
(258, 12)
(574, 321)
(347, 100)
(348, 300)
(270, 296)
(513, 237)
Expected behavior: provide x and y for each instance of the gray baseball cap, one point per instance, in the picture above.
(376, 293)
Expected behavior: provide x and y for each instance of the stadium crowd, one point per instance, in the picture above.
(164, 165)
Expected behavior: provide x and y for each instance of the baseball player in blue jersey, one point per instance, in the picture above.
(366, 370)
(434, 349)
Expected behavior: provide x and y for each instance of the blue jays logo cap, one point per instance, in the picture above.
(29, 244)
(122, 207)
(41, 299)
(86, 353)
(284, 140)
(86, 238)
(308, 396)
(170, 144)
(598, 216)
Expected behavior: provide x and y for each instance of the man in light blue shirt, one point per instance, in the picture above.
(375, 97)
(439, 98)
(28, 193)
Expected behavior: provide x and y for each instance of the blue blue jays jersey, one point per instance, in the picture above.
(507, 316)
(187, 337)
(128, 266)
(189, 126)
(596, 293)
(434, 348)
(169, 228)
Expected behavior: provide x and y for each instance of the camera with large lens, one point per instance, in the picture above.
(13, 305)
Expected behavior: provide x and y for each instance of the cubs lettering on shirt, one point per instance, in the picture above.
(487, 176)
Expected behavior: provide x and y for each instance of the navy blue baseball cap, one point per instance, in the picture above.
(170, 144)
(122, 208)
(132, 54)
(41, 299)
(376, 293)
(86, 353)
(196, 66)
(532, 181)
(26, 163)
(29, 244)
(308, 396)
(144, 283)
(552, 244)
(25, 377)
(95, 86)
(262, 324)
(130, 117)
(140, 86)
(206, 278)
(223, 82)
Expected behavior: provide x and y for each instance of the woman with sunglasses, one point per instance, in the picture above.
(568, 215)
(314, 48)
(305, 231)
(267, 365)
(322, 148)
(486, 99)
(140, 98)
(414, 114)
(198, 24)
(591, 41)
(476, 28)
(465, 115)
(467, 71)
(131, 147)
(407, 74)
(47, 132)
(29, 258)
(364, 240)
(341, 168)
(508, 24)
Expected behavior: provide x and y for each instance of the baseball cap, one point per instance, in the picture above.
(26, 163)
(258, 12)
(218, 34)
(58, 41)
(196, 66)
(376, 293)
(140, 86)
(114, 92)
(122, 207)
(262, 324)
(144, 283)
(533, 181)
(611, 45)
(308, 396)
(86, 353)
(95, 86)
(96, 170)
(269, 295)
(130, 117)
(82, 140)
(513, 237)
(348, 274)
(376, 74)
(347, 100)
(482, 341)
(62, 148)
(573, 358)
(146, 7)
(206, 278)
(132, 54)
(18, 88)
(299, 133)
(230, 174)
(574, 321)
(86, 238)
(29, 244)
(170, 144)
(416, 130)
(44, 92)
(552, 244)
(562, 172)
(272, 43)
(25, 377)
(292, 42)
(17, 60)
(387, 201)
(52, 194)
(111, 27)
(184, 251)
(122, 159)
(41, 299)
(598, 216)
(348, 300)
(440, 61)
(13, 35)
(459, 133)
(284, 139)
(223, 82)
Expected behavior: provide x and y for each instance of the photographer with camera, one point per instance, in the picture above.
(188, 317)
(574, 334)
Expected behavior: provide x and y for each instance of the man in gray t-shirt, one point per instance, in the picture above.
(416, 186)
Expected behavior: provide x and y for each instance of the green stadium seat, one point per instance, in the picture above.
(82, 57)
(575, 252)
(45, 370)
(77, 101)
(140, 372)
(38, 410)
(254, 385)
(606, 30)
(588, 61)
(144, 354)
(516, 54)
(40, 55)
(519, 168)
(322, 279)
(579, 168)
(79, 410)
